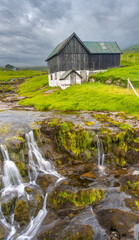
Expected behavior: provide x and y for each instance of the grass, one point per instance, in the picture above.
(130, 55)
(120, 73)
(88, 96)
(8, 75)
(34, 86)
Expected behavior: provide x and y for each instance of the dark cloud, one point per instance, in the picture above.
(30, 29)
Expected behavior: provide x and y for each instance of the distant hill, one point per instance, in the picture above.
(132, 49)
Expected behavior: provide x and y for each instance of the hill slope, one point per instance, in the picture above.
(130, 55)
(132, 49)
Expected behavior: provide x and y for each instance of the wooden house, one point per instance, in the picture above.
(82, 58)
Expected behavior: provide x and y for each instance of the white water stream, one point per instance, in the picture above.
(13, 182)
(100, 153)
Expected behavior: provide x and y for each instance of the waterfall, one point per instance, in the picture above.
(41, 164)
(12, 182)
(100, 153)
(11, 174)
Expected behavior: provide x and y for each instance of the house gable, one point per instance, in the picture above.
(74, 46)
(72, 41)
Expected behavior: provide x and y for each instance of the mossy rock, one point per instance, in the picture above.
(22, 168)
(7, 207)
(15, 144)
(21, 213)
(45, 180)
(35, 201)
(65, 197)
(118, 220)
(64, 230)
(69, 138)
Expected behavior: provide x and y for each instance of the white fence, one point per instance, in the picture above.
(129, 84)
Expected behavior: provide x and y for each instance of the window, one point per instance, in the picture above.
(51, 77)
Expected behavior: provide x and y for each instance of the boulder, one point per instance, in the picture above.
(35, 201)
(109, 81)
(66, 230)
(118, 220)
(45, 180)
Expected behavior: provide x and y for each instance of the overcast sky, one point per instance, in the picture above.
(30, 29)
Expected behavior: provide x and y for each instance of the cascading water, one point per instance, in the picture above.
(12, 182)
(100, 153)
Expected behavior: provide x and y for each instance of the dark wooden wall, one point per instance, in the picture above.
(74, 55)
(104, 61)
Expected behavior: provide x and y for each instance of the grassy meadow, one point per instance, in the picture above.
(88, 96)
(6, 75)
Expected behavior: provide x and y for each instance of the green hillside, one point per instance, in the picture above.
(130, 55)
(132, 49)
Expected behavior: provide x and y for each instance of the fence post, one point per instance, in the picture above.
(129, 83)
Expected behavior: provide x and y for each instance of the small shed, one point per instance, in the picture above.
(69, 78)
(10, 67)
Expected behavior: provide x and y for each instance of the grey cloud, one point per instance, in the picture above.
(30, 29)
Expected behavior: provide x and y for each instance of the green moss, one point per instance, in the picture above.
(84, 233)
(53, 122)
(136, 140)
(5, 128)
(15, 138)
(137, 205)
(21, 213)
(76, 140)
(22, 168)
(89, 123)
(8, 207)
(125, 126)
(80, 198)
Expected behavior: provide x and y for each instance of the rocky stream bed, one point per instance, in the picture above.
(69, 175)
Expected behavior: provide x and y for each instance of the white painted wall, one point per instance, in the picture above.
(63, 83)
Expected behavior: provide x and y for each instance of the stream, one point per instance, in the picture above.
(46, 192)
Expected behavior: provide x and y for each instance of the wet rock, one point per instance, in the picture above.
(3, 231)
(122, 85)
(118, 220)
(114, 235)
(45, 180)
(109, 81)
(88, 175)
(35, 201)
(15, 144)
(8, 202)
(65, 230)
(21, 213)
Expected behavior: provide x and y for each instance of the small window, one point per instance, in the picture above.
(55, 76)
(51, 77)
